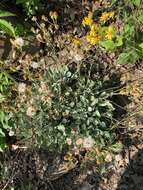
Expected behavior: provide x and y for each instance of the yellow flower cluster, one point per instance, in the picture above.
(93, 40)
(98, 32)
(106, 16)
(88, 20)
(93, 37)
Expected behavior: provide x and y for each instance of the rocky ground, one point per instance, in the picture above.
(44, 171)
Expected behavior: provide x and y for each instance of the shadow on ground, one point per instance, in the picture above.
(34, 170)
(132, 178)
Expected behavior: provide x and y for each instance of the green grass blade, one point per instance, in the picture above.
(6, 14)
(7, 27)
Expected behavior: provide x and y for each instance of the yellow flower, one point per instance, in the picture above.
(106, 16)
(93, 38)
(110, 33)
(88, 20)
(94, 27)
(76, 41)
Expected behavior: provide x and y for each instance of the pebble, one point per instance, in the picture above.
(85, 186)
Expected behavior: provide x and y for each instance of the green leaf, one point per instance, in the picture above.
(61, 128)
(119, 41)
(108, 44)
(97, 113)
(141, 45)
(7, 27)
(2, 98)
(107, 135)
(113, 1)
(2, 117)
(6, 126)
(136, 2)
(2, 133)
(123, 58)
(117, 147)
(102, 141)
(2, 146)
(128, 31)
(140, 18)
(6, 14)
(129, 57)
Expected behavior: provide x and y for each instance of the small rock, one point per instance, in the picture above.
(85, 186)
